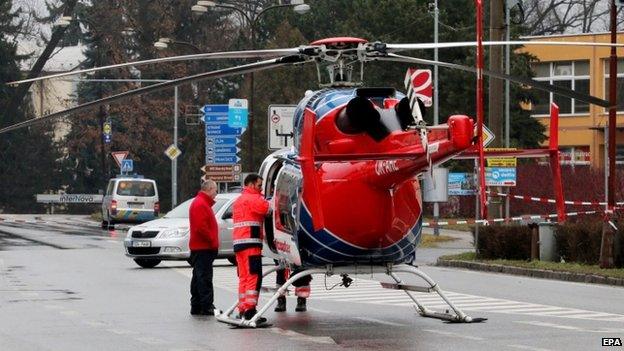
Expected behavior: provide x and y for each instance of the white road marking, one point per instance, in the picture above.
(291, 334)
(318, 310)
(150, 340)
(570, 327)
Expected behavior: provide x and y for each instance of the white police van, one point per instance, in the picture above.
(130, 199)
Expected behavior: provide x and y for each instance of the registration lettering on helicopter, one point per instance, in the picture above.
(385, 167)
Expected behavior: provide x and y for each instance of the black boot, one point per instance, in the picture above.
(249, 315)
(301, 305)
(281, 304)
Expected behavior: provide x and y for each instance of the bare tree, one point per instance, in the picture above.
(544, 17)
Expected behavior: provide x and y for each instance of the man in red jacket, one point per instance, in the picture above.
(204, 245)
(248, 213)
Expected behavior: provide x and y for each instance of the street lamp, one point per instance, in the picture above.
(299, 7)
(164, 43)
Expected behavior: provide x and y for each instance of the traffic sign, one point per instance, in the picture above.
(127, 166)
(280, 126)
(173, 152)
(225, 140)
(119, 156)
(221, 129)
(224, 177)
(488, 136)
(224, 159)
(107, 131)
(212, 168)
(237, 113)
(222, 150)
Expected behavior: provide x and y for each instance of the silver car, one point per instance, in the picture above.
(167, 238)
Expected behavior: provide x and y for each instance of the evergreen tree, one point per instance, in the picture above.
(27, 156)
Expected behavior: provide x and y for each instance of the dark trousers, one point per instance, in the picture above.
(202, 293)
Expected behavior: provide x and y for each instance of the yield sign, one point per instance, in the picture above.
(119, 156)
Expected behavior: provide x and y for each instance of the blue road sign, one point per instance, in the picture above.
(237, 113)
(222, 159)
(213, 109)
(127, 166)
(107, 131)
(213, 118)
(221, 129)
(218, 150)
(224, 140)
(108, 138)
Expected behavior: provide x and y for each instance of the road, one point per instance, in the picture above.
(65, 284)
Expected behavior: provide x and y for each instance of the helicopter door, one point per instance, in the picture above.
(286, 200)
(270, 170)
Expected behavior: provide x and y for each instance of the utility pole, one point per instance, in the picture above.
(495, 98)
(608, 230)
(436, 118)
(174, 162)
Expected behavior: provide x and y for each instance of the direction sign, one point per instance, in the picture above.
(212, 168)
(127, 166)
(173, 152)
(221, 129)
(488, 136)
(280, 126)
(224, 177)
(227, 140)
(222, 150)
(119, 156)
(224, 159)
(237, 113)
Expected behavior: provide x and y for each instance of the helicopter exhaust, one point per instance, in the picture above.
(360, 116)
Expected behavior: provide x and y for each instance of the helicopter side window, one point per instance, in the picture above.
(286, 197)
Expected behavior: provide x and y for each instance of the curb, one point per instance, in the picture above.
(536, 273)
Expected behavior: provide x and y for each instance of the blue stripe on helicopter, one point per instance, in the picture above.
(324, 247)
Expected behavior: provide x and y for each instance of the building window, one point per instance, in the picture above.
(620, 83)
(575, 155)
(619, 154)
(568, 74)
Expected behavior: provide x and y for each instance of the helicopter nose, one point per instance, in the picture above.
(461, 131)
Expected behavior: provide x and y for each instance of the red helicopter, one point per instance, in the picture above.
(346, 197)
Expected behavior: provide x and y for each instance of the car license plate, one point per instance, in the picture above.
(141, 244)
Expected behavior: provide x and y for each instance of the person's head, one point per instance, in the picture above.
(209, 187)
(254, 180)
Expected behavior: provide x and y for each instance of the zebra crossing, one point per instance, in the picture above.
(369, 291)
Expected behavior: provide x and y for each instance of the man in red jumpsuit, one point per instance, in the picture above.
(204, 245)
(248, 213)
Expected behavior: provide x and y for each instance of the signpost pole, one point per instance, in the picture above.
(174, 161)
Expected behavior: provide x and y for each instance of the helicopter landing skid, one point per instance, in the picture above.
(458, 317)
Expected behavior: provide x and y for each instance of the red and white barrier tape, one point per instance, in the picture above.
(505, 220)
(551, 201)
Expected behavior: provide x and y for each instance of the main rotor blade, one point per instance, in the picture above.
(459, 44)
(203, 56)
(521, 80)
(251, 67)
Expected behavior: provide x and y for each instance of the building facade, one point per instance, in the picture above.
(585, 69)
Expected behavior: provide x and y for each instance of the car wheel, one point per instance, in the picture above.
(146, 262)
(232, 260)
(104, 224)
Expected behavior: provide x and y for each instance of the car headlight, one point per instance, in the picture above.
(173, 233)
